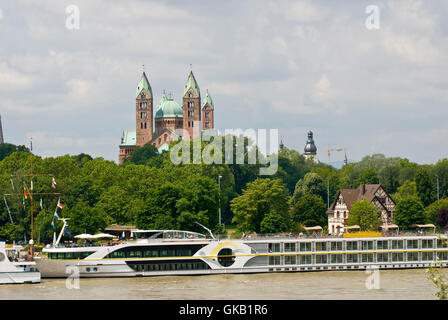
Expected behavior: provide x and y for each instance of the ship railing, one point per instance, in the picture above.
(294, 236)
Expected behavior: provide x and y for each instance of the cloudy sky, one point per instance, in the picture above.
(291, 65)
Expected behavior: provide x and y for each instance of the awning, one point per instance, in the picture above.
(389, 226)
(430, 225)
(315, 228)
(84, 236)
(103, 235)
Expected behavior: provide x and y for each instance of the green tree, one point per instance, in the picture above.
(407, 190)
(311, 183)
(433, 208)
(273, 223)
(424, 187)
(141, 155)
(261, 198)
(84, 219)
(309, 211)
(364, 214)
(409, 211)
(368, 176)
(7, 149)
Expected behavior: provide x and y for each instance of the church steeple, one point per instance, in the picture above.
(144, 111)
(191, 86)
(191, 106)
(144, 85)
(208, 110)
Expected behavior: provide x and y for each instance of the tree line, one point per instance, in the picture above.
(151, 192)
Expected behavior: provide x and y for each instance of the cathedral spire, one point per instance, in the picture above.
(192, 84)
(144, 84)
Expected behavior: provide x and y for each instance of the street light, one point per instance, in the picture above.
(438, 195)
(219, 198)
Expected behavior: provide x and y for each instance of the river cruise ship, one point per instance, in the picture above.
(174, 252)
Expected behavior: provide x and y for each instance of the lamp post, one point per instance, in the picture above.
(438, 194)
(219, 198)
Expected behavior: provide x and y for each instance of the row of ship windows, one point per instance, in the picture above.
(358, 258)
(69, 255)
(170, 266)
(150, 253)
(354, 245)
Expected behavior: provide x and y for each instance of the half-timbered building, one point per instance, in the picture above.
(339, 210)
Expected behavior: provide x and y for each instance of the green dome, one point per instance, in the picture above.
(168, 108)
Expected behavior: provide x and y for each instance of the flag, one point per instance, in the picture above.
(31, 145)
(67, 233)
(56, 213)
(24, 192)
(41, 204)
(53, 183)
(52, 223)
(59, 203)
(31, 185)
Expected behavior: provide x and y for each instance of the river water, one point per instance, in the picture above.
(392, 284)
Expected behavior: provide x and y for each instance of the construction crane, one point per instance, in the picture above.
(329, 152)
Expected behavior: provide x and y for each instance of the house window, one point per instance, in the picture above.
(207, 115)
(207, 124)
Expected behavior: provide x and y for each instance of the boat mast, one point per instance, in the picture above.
(31, 194)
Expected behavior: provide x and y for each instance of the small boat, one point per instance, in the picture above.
(13, 269)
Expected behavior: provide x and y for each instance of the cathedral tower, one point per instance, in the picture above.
(144, 111)
(191, 106)
(207, 113)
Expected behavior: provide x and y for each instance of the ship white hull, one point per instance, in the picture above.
(19, 277)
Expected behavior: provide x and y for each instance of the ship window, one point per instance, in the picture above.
(367, 245)
(321, 246)
(151, 253)
(412, 256)
(427, 256)
(68, 255)
(367, 257)
(397, 244)
(321, 258)
(61, 255)
(352, 258)
(305, 246)
(226, 257)
(336, 258)
(274, 260)
(290, 259)
(382, 244)
(442, 255)
(352, 245)
(274, 247)
(290, 247)
(336, 246)
(412, 244)
(305, 259)
(427, 243)
(442, 243)
(382, 257)
(397, 256)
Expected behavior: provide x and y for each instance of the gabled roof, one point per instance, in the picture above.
(350, 196)
(192, 84)
(208, 101)
(144, 84)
